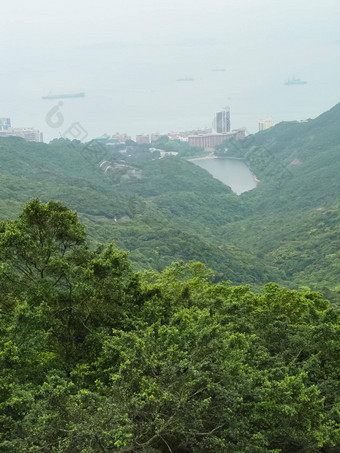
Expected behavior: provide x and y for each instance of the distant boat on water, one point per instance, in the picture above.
(185, 79)
(64, 96)
(218, 70)
(294, 81)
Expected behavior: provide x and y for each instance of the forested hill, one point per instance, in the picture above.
(160, 210)
(293, 217)
(163, 210)
(297, 162)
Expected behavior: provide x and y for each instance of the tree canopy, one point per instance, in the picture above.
(95, 357)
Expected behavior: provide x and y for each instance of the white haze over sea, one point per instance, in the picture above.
(126, 57)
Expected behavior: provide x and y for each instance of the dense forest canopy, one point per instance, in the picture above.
(96, 357)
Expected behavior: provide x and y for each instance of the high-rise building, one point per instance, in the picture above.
(266, 124)
(221, 122)
(5, 124)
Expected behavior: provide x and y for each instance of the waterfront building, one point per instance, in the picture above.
(209, 141)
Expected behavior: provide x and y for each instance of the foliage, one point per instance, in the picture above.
(97, 358)
(159, 210)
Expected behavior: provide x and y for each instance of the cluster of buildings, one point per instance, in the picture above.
(219, 133)
(28, 133)
(206, 138)
(183, 136)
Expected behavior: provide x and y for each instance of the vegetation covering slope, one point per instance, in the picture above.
(98, 358)
(168, 209)
(162, 210)
(293, 216)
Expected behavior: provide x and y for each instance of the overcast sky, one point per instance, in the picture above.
(127, 55)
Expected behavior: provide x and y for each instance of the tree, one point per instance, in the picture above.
(46, 262)
(97, 358)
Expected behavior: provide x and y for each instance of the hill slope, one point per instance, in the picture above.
(292, 219)
(164, 210)
(159, 210)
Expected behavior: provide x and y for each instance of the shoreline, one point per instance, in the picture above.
(212, 156)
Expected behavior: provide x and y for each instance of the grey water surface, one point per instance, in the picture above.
(232, 172)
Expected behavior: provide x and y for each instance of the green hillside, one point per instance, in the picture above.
(298, 163)
(160, 210)
(293, 216)
(164, 210)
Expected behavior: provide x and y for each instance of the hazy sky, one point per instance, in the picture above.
(127, 55)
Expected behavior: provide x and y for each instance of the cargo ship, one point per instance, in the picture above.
(294, 81)
(185, 79)
(64, 96)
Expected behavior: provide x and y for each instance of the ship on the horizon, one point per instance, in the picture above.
(295, 81)
(64, 96)
(185, 79)
(218, 70)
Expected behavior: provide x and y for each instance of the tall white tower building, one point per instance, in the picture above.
(221, 122)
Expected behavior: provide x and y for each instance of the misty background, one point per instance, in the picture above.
(126, 57)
